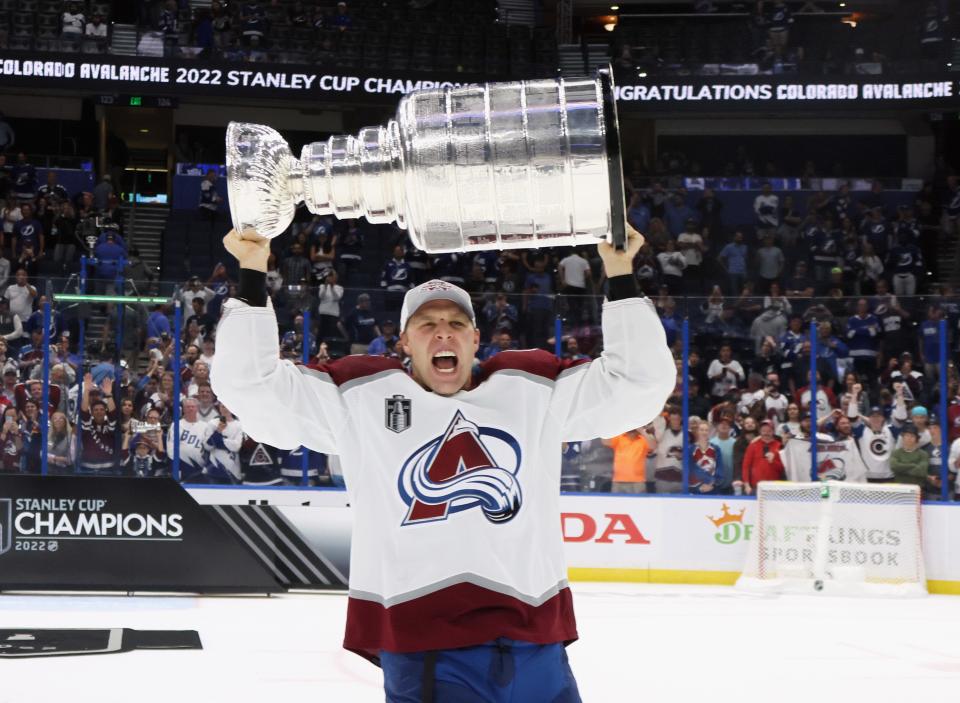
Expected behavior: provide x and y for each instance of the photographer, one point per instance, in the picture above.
(147, 456)
(223, 440)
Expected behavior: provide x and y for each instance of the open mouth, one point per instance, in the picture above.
(445, 361)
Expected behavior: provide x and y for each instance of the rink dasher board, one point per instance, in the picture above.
(607, 537)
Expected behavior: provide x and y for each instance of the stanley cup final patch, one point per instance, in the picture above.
(397, 414)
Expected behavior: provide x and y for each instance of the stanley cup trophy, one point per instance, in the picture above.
(496, 166)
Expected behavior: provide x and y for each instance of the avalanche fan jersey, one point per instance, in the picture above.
(839, 456)
(456, 537)
(876, 448)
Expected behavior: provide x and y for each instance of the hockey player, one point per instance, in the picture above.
(458, 586)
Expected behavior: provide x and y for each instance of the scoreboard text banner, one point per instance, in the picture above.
(155, 76)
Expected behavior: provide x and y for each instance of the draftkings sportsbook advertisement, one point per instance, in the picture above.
(128, 534)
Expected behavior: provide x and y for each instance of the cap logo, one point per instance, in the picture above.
(437, 284)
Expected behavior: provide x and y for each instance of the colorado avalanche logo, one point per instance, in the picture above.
(832, 468)
(466, 467)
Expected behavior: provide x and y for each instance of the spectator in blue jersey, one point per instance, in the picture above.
(349, 251)
(905, 264)
(733, 257)
(638, 214)
(930, 342)
(24, 177)
(450, 268)
(396, 278)
(209, 206)
(35, 321)
(501, 340)
(254, 23)
(933, 37)
(52, 190)
(223, 438)
(27, 239)
(906, 225)
(385, 343)
(489, 263)
(677, 213)
(778, 20)
(841, 204)
(538, 302)
(361, 325)
(158, 324)
(864, 331)
(876, 231)
(824, 248)
(833, 350)
(500, 314)
(110, 255)
(342, 20)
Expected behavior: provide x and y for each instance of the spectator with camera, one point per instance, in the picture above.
(11, 328)
(11, 441)
(21, 296)
(329, 295)
(223, 439)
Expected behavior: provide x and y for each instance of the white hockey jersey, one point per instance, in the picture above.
(193, 455)
(876, 448)
(839, 455)
(222, 447)
(456, 537)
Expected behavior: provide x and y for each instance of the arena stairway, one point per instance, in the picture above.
(123, 39)
(572, 62)
(144, 225)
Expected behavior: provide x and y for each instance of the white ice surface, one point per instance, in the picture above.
(637, 643)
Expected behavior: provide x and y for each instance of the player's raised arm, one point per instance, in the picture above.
(279, 403)
(628, 384)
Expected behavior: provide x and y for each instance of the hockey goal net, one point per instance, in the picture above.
(835, 537)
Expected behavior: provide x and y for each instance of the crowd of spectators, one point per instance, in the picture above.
(847, 261)
(775, 36)
(52, 25)
(767, 36)
(859, 267)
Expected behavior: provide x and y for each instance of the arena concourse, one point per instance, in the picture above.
(793, 167)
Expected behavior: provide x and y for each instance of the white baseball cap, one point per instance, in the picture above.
(435, 290)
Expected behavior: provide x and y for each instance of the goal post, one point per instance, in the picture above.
(836, 538)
